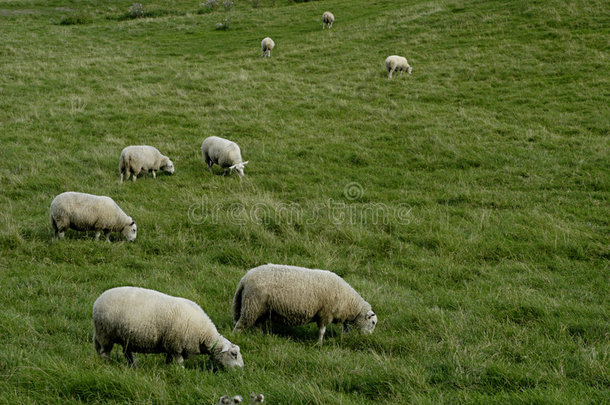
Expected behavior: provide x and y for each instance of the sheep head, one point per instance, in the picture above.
(367, 322)
(130, 232)
(227, 354)
(168, 167)
(239, 168)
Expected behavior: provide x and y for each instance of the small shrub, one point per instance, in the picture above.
(136, 11)
(73, 20)
(228, 5)
(210, 5)
(224, 25)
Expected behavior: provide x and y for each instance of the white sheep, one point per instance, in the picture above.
(82, 212)
(267, 45)
(297, 296)
(256, 398)
(327, 19)
(224, 153)
(147, 321)
(142, 159)
(397, 63)
(226, 400)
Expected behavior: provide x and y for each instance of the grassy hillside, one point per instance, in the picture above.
(468, 202)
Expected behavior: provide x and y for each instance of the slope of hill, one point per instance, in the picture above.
(468, 202)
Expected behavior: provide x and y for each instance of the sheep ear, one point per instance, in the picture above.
(224, 349)
(370, 314)
(246, 162)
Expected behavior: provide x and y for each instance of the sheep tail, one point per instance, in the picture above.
(236, 307)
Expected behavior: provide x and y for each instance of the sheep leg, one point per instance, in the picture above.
(97, 235)
(56, 232)
(122, 176)
(154, 175)
(251, 311)
(97, 345)
(103, 350)
(177, 357)
(330, 25)
(129, 356)
(321, 332)
(107, 235)
(390, 73)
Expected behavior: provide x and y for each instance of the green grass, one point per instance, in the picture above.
(478, 227)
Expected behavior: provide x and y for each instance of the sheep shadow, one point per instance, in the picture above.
(199, 362)
(42, 233)
(307, 334)
(71, 234)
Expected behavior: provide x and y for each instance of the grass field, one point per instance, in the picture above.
(468, 202)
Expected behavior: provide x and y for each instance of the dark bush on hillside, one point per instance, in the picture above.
(209, 6)
(224, 25)
(77, 19)
(228, 5)
(138, 11)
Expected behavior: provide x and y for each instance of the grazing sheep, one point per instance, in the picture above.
(397, 63)
(143, 158)
(256, 399)
(297, 296)
(224, 153)
(147, 321)
(267, 45)
(327, 19)
(82, 212)
(226, 400)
